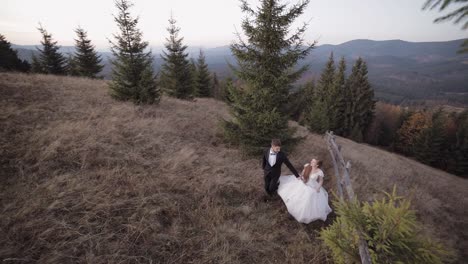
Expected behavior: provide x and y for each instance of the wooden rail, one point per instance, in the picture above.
(343, 182)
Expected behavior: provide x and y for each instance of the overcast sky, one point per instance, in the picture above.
(211, 23)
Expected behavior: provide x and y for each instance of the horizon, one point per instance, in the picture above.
(329, 23)
(192, 47)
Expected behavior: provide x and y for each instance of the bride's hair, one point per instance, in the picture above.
(308, 169)
(306, 172)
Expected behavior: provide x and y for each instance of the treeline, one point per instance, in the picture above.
(432, 136)
(133, 76)
(346, 106)
(84, 62)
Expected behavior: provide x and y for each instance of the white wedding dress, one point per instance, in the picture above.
(304, 203)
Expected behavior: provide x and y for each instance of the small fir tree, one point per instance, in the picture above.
(132, 73)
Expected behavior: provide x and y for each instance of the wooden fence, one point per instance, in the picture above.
(344, 187)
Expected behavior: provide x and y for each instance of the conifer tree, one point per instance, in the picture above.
(216, 90)
(72, 65)
(300, 102)
(132, 73)
(202, 78)
(176, 76)
(265, 68)
(36, 65)
(326, 80)
(87, 62)
(460, 153)
(429, 145)
(362, 102)
(9, 60)
(51, 61)
(193, 77)
(339, 100)
(320, 118)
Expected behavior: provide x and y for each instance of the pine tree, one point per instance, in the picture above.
(9, 60)
(132, 73)
(87, 62)
(193, 77)
(362, 103)
(51, 61)
(36, 65)
(216, 90)
(202, 80)
(265, 69)
(176, 77)
(71, 65)
(320, 119)
(340, 99)
(429, 146)
(300, 102)
(326, 80)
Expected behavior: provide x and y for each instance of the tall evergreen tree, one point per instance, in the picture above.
(193, 77)
(51, 61)
(132, 73)
(362, 102)
(339, 99)
(320, 116)
(202, 79)
(9, 60)
(86, 61)
(265, 69)
(176, 77)
(317, 119)
(326, 80)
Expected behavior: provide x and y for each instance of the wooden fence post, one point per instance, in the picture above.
(338, 161)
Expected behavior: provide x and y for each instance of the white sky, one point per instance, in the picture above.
(211, 23)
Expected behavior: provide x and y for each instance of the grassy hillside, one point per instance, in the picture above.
(89, 179)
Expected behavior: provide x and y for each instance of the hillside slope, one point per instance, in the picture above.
(89, 179)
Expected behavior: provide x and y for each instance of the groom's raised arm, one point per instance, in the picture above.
(290, 166)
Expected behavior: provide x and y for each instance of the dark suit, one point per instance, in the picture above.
(272, 174)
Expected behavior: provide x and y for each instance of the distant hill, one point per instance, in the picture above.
(89, 179)
(400, 71)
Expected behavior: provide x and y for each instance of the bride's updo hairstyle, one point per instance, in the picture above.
(308, 169)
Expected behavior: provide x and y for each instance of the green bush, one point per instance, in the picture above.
(390, 228)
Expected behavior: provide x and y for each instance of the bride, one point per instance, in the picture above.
(305, 197)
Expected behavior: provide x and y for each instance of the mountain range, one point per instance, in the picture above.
(401, 72)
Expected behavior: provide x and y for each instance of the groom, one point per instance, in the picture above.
(273, 158)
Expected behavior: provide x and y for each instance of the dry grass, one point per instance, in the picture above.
(90, 180)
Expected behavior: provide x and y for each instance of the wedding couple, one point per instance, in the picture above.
(303, 195)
